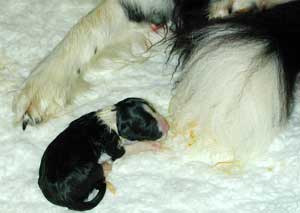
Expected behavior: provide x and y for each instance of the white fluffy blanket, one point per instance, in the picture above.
(168, 182)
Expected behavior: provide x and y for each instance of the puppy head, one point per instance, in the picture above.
(137, 120)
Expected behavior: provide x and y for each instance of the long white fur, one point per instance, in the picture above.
(59, 77)
(231, 97)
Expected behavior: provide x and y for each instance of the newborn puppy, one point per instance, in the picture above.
(69, 169)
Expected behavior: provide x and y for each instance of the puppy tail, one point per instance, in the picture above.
(84, 206)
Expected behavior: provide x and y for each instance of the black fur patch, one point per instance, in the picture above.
(278, 28)
(69, 168)
(188, 16)
(134, 123)
(136, 14)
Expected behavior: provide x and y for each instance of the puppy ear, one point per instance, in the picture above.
(124, 117)
(135, 122)
(125, 124)
(130, 120)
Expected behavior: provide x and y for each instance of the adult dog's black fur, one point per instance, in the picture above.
(278, 27)
(69, 169)
(237, 78)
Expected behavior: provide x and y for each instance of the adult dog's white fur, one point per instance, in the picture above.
(238, 96)
(228, 110)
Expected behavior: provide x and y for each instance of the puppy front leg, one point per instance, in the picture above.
(142, 147)
(58, 78)
(107, 167)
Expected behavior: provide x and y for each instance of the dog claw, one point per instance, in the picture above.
(28, 120)
(24, 125)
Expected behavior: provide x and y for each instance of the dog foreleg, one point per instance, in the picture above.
(58, 78)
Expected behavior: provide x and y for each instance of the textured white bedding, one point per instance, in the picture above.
(167, 182)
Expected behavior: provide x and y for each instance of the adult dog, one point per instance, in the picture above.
(238, 72)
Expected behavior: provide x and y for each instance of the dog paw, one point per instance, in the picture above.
(224, 8)
(37, 102)
(220, 8)
(31, 117)
(243, 6)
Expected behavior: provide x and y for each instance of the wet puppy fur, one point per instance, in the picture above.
(69, 169)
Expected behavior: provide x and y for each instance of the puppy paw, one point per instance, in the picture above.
(111, 188)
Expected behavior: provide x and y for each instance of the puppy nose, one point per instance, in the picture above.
(164, 125)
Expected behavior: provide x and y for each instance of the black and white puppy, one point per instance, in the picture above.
(69, 169)
(238, 73)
